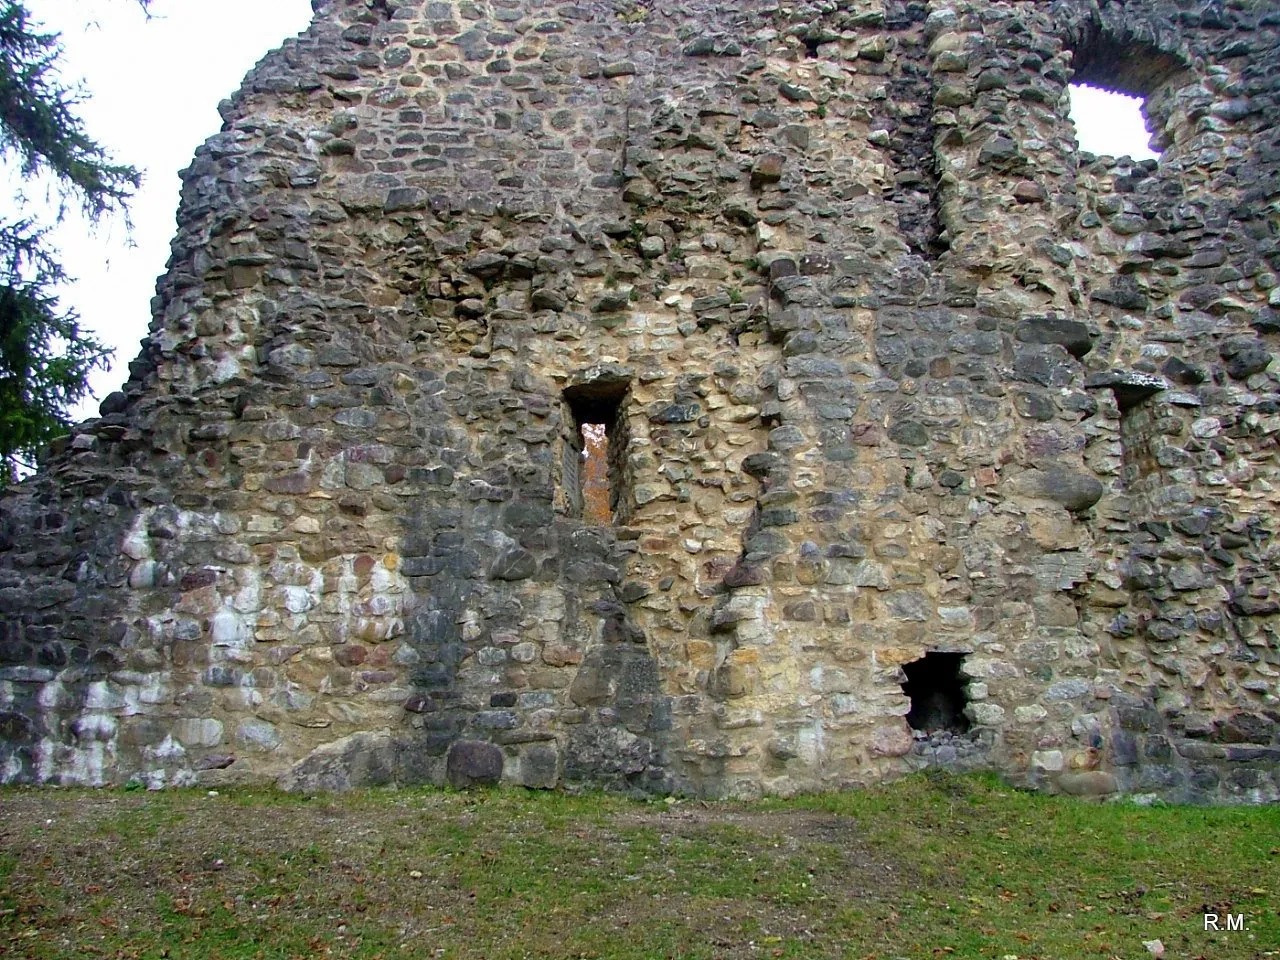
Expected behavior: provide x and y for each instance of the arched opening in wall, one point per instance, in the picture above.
(1109, 123)
(596, 451)
(938, 692)
(1122, 95)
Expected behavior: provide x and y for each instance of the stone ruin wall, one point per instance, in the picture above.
(896, 370)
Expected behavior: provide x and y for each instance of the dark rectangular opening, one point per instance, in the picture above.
(937, 692)
(596, 451)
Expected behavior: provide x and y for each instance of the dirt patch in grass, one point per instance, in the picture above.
(790, 825)
(422, 874)
(833, 842)
(922, 868)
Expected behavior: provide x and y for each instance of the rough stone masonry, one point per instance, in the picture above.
(931, 440)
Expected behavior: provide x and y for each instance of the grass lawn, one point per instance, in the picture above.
(925, 867)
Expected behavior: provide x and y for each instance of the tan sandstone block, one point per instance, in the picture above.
(896, 656)
(700, 654)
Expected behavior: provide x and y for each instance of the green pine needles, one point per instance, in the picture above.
(45, 358)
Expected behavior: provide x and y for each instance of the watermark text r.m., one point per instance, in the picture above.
(1231, 921)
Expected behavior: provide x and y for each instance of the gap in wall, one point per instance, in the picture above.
(938, 693)
(1109, 123)
(600, 447)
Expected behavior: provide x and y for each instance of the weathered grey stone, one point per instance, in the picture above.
(1068, 690)
(405, 198)
(257, 735)
(610, 754)
(473, 763)
(908, 605)
(539, 766)
(1249, 728)
(215, 761)
(1072, 489)
(998, 150)
(891, 741)
(514, 563)
(116, 402)
(909, 433)
(1245, 357)
(1071, 334)
(1088, 783)
(360, 760)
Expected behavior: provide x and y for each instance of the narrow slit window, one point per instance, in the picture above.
(597, 495)
(598, 451)
(1110, 124)
(938, 693)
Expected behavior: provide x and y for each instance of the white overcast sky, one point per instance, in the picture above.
(154, 87)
